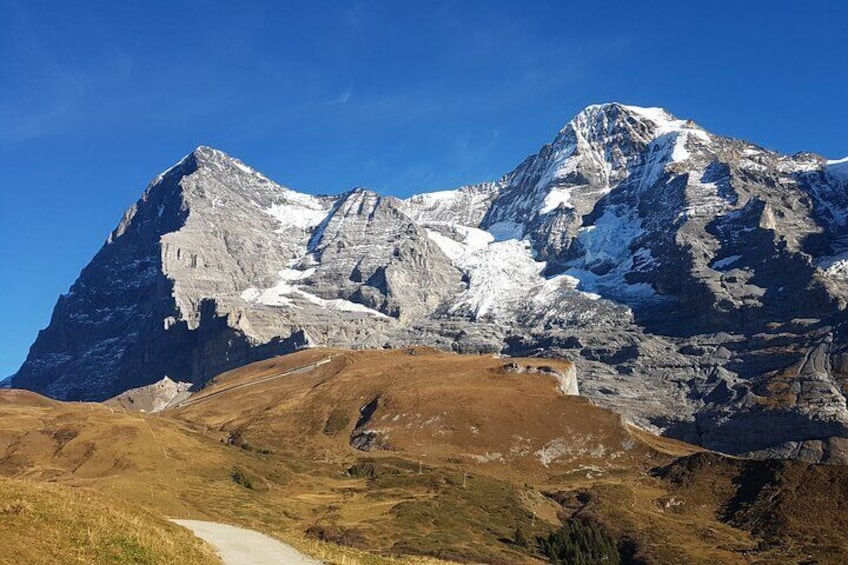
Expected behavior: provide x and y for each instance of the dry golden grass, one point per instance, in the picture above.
(334, 554)
(431, 406)
(51, 524)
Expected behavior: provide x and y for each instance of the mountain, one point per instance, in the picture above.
(699, 283)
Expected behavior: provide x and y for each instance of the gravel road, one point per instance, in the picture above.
(239, 546)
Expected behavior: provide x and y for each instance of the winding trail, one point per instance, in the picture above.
(301, 369)
(240, 546)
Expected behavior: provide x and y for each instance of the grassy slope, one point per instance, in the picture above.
(47, 524)
(466, 454)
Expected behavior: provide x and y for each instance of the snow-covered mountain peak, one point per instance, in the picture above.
(662, 118)
(209, 176)
(209, 152)
(613, 123)
(602, 146)
(206, 156)
(212, 158)
(358, 201)
(599, 121)
(359, 192)
(465, 205)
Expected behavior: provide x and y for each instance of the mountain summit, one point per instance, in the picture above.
(698, 282)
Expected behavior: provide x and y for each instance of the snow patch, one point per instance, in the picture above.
(503, 231)
(557, 197)
(284, 292)
(471, 241)
(244, 168)
(504, 278)
(503, 275)
(722, 263)
(437, 196)
(608, 240)
(607, 258)
(339, 304)
(835, 266)
(659, 116)
(666, 123)
(679, 153)
(298, 210)
(498, 278)
(574, 283)
(680, 130)
(466, 205)
(838, 169)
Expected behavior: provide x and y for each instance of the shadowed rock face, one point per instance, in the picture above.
(698, 282)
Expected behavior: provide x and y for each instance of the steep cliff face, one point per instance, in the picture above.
(92, 346)
(367, 251)
(698, 282)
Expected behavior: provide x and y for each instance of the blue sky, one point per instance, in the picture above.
(97, 97)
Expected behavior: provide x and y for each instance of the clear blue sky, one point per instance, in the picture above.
(98, 97)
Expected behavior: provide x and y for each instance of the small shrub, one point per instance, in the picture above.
(520, 538)
(240, 478)
(362, 471)
(338, 421)
(349, 537)
(236, 438)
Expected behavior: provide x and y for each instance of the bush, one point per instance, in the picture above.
(580, 543)
(520, 538)
(338, 421)
(362, 471)
(240, 478)
(350, 537)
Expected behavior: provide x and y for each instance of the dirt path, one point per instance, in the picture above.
(303, 369)
(239, 546)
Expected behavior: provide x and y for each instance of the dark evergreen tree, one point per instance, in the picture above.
(580, 543)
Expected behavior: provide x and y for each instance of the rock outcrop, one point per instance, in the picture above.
(154, 397)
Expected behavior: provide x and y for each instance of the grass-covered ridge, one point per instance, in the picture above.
(46, 524)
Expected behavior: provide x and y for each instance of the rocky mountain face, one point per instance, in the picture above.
(699, 283)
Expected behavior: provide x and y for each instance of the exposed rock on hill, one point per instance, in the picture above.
(152, 398)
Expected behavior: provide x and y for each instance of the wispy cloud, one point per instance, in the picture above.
(342, 98)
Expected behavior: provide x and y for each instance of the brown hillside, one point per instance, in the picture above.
(431, 406)
(413, 452)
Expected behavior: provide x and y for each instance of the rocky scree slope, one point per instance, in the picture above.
(698, 282)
